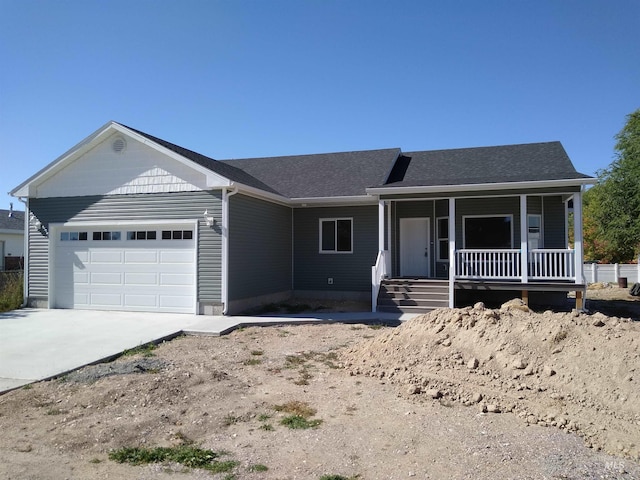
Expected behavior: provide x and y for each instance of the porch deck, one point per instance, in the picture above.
(421, 295)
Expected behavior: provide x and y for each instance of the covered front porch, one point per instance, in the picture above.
(493, 241)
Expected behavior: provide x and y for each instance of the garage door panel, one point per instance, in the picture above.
(175, 279)
(105, 256)
(106, 299)
(140, 278)
(106, 278)
(176, 256)
(81, 256)
(81, 299)
(141, 256)
(79, 278)
(145, 301)
(172, 301)
(136, 275)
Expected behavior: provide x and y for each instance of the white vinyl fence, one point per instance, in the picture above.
(601, 272)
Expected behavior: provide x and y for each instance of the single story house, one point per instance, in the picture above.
(128, 221)
(11, 239)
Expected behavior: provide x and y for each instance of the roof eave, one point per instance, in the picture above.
(334, 201)
(474, 187)
(258, 193)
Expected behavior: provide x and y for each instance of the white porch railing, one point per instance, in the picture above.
(488, 264)
(378, 272)
(544, 264)
(552, 264)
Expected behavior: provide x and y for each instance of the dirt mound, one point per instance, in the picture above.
(573, 371)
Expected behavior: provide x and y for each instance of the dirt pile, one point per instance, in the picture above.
(577, 372)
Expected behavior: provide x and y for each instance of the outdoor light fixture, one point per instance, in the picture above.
(35, 222)
(208, 219)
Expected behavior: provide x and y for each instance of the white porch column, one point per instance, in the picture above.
(381, 225)
(524, 244)
(577, 235)
(388, 256)
(452, 251)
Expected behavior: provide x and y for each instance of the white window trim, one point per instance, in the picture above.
(333, 252)
(493, 215)
(439, 239)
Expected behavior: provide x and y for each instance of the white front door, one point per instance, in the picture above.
(414, 247)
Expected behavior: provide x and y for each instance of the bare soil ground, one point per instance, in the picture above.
(467, 393)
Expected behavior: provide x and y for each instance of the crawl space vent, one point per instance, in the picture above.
(119, 145)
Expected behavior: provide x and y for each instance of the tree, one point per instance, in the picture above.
(612, 206)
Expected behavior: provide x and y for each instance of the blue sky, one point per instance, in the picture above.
(234, 78)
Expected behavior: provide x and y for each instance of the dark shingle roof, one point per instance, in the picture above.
(228, 171)
(351, 173)
(15, 222)
(321, 175)
(481, 165)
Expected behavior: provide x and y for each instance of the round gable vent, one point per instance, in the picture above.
(119, 145)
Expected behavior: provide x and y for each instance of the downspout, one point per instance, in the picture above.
(225, 247)
(25, 280)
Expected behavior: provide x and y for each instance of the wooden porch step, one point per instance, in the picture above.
(413, 295)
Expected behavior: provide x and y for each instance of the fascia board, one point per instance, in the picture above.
(257, 193)
(335, 201)
(298, 202)
(6, 231)
(572, 182)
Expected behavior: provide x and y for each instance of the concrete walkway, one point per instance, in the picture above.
(37, 344)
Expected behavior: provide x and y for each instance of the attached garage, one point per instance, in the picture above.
(134, 267)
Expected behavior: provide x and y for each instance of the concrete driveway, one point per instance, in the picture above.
(36, 344)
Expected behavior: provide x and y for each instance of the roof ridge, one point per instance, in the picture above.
(313, 154)
(484, 147)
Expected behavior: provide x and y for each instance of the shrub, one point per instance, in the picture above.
(11, 292)
(187, 455)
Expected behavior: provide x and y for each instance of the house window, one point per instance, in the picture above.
(142, 235)
(488, 231)
(336, 235)
(442, 231)
(177, 234)
(73, 236)
(534, 231)
(106, 235)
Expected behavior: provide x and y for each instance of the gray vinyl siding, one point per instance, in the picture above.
(147, 207)
(259, 247)
(38, 285)
(534, 205)
(350, 271)
(554, 222)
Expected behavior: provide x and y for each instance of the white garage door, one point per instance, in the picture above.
(137, 268)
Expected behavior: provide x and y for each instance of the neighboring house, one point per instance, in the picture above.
(127, 221)
(11, 239)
